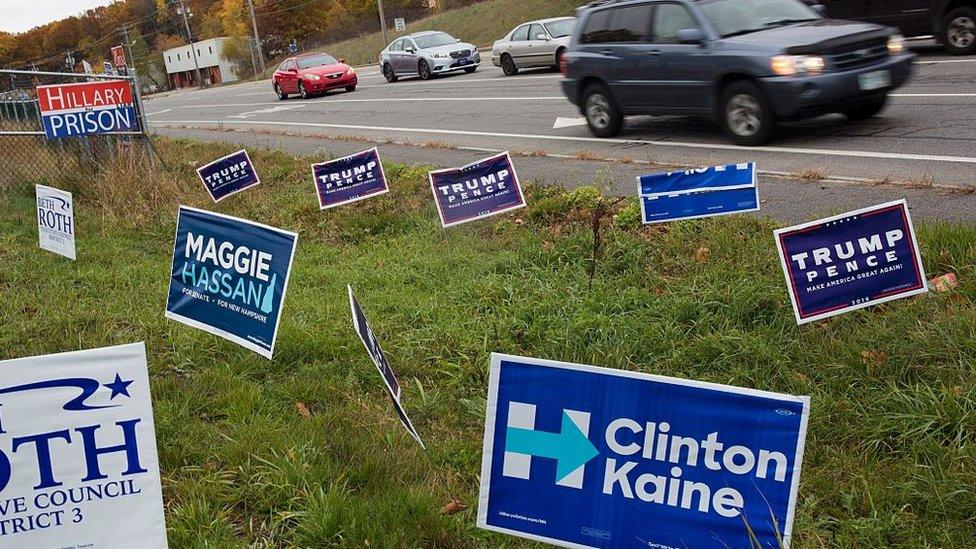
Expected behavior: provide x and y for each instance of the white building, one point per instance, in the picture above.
(181, 71)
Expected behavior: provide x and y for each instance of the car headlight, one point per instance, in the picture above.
(351, 71)
(440, 55)
(896, 44)
(313, 77)
(787, 65)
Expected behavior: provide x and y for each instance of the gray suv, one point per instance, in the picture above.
(748, 63)
(426, 54)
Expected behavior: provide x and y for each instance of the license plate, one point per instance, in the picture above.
(464, 61)
(874, 80)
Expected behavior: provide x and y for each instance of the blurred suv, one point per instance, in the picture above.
(311, 74)
(533, 44)
(427, 54)
(748, 63)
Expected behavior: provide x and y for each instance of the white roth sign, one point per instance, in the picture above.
(55, 220)
(78, 464)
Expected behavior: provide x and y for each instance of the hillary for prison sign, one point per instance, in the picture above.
(581, 456)
(851, 261)
(78, 463)
(85, 108)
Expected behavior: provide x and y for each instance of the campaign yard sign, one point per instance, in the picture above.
(229, 277)
(349, 179)
(487, 187)
(55, 220)
(365, 332)
(78, 463)
(581, 456)
(851, 261)
(703, 192)
(85, 108)
(228, 175)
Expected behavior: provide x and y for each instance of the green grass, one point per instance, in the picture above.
(890, 458)
(480, 24)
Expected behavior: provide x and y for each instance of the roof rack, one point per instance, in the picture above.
(595, 3)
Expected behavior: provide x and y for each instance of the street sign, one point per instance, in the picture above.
(293, 47)
(401, 24)
(118, 56)
(107, 68)
(84, 108)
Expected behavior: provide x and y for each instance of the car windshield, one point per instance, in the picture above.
(558, 29)
(737, 17)
(316, 61)
(434, 40)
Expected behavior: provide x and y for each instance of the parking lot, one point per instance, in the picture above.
(925, 138)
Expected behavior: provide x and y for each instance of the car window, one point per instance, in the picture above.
(736, 17)
(627, 24)
(316, 61)
(292, 65)
(434, 40)
(669, 19)
(284, 66)
(535, 30)
(558, 29)
(396, 45)
(521, 33)
(409, 44)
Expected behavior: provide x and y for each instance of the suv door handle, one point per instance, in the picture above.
(654, 52)
(605, 52)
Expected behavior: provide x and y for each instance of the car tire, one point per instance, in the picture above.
(350, 89)
(746, 116)
(559, 58)
(301, 90)
(602, 113)
(867, 110)
(423, 70)
(388, 73)
(508, 65)
(959, 31)
(470, 70)
(281, 95)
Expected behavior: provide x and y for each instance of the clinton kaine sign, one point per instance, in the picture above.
(85, 108)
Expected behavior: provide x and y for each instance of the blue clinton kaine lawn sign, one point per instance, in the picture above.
(581, 456)
(229, 277)
(851, 261)
(487, 187)
(703, 192)
(228, 175)
(345, 180)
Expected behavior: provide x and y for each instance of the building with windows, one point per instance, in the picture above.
(214, 69)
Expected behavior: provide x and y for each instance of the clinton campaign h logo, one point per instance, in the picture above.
(584, 456)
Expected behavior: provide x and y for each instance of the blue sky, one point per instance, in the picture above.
(22, 15)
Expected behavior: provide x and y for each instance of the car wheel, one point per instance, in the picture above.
(602, 113)
(301, 90)
(470, 70)
(350, 89)
(281, 95)
(423, 69)
(508, 65)
(746, 116)
(560, 53)
(959, 32)
(389, 74)
(867, 110)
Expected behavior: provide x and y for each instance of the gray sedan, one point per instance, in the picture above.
(533, 44)
(427, 54)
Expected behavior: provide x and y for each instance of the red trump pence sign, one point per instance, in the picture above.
(85, 108)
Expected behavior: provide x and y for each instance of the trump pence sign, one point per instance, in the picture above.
(229, 277)
(78, 464)
(85, 108)
(487, 187)
(851, 261)
(349, 179)
(228, 175)
(581, 456)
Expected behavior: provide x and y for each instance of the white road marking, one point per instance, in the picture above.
(941, 61)
(932, 95)
(158, 112)
(389, 100)
(613, 141)
(562, 122)
(265, 111)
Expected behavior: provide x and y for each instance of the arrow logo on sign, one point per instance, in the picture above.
(570, 447)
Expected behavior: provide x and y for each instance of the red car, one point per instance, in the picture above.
(311, 74)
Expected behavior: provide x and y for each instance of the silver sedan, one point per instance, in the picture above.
(533, 44)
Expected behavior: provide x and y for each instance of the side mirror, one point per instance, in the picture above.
(820, 8)
(410, 50)
(691, 36)
(541, 37)
(342, 59)
(458, 40)
(293, 71)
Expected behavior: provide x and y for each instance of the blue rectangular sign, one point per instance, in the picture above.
(228, 175)
(345, 180)
(581, 456)
(487, 187)
(702, 192)
(851, 261)
(229, 277)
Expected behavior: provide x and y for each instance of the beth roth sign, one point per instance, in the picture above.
(85, 108)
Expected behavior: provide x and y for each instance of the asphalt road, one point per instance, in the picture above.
(925, 139)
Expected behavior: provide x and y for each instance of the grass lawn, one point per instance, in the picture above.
(890, 456)
(480, 24)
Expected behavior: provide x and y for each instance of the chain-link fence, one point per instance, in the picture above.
(27, 156)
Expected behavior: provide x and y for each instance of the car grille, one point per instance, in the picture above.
(861, 54)
(460, 53)
(335, 75)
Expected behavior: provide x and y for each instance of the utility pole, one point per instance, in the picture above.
(383, 23)
(128, 45)
(257, 39)
(69, 60)
(189, 39)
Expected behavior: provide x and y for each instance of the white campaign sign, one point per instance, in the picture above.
(55, 220)
(78, 463)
